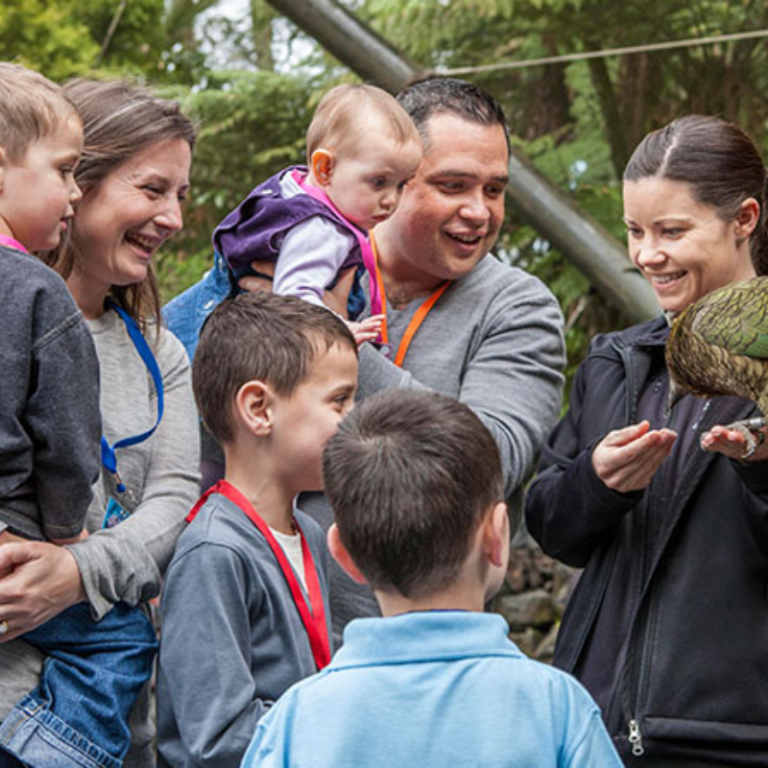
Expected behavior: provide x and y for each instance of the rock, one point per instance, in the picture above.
(530, 609)
(527, 640)
(545, 650)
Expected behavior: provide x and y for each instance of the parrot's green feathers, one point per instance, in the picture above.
(735, 318)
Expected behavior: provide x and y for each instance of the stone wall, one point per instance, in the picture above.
(533, 598)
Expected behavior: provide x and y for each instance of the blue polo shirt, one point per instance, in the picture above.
(433, 689)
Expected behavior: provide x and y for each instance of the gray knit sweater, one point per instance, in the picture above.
(49, 403)
(494, 341)
(127, 562)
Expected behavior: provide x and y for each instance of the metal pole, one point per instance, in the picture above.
(584, 242)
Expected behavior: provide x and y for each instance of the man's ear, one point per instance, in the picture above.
(322, 165)
(342, 557)
(253, 404)
(496, 534)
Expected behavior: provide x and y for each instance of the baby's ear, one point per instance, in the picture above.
(253, 407)
(342, 556)
(322, 165)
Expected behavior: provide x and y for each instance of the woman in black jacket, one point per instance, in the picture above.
(668, 624)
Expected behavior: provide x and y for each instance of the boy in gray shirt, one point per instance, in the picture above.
(245, 600)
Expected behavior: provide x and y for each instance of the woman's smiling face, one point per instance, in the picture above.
(120, 224)
(684, 248)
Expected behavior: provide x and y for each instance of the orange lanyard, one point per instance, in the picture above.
(416, 320)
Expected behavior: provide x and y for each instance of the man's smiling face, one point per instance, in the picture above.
(451, 212)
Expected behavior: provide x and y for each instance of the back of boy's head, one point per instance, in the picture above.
(342, 120)
(259, 336)
(31, 108)
(410, 475)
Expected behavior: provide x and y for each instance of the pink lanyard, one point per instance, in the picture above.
(12, 243)
(314, 622)
(362, 240)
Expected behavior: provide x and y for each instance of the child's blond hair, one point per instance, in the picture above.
(31, 108)
(340, 125)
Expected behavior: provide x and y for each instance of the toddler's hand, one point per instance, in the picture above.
(366, 330)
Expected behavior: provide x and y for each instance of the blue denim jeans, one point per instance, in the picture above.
(78, 714)
(185, 314)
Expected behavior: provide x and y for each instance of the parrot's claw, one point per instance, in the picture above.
(752, 431)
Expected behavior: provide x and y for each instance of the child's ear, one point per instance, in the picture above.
(2, 168)
(253, 404)
(322, 165)
(342, 557)
(496, 535)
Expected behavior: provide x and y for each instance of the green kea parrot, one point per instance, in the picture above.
(719, 346)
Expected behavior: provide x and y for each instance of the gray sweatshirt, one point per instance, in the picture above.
(127, 562)
(49, 403)
(494, 341)
(233, 640)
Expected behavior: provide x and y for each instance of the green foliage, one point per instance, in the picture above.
(46, 36)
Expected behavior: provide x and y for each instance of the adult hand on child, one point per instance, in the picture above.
(627, 459)
(335, 299)
(39, 581)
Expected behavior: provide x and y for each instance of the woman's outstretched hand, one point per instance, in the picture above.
(38, 580)
(627, 459)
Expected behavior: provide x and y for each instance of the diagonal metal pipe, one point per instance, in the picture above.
(584, 242)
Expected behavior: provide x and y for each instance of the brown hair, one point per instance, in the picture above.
(338, 123)
(31, 108)
(410, 476)
(274, 339)
(717, 160)
(120, 119)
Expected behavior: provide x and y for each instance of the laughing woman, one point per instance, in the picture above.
(668, 625)
(134, 175)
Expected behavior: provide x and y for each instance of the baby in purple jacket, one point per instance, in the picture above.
(312, 222)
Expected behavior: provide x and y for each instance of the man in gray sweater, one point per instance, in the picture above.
(492, 334)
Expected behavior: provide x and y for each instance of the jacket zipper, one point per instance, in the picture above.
(636, 738)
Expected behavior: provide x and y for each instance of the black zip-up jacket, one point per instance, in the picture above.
(693, 681)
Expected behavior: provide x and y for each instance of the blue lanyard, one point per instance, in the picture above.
(108, 455)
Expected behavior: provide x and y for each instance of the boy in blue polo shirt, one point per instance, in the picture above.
(415, 482)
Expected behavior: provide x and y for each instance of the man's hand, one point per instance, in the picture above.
(335, 299)
(627, 459)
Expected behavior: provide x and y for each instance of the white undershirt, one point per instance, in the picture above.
(291, 545)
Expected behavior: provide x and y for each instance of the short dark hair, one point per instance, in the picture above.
(719, 162)
(448, 95)
(261, 336)
(410, 476)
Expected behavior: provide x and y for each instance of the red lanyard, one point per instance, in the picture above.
(314, 622)
(416, 320)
